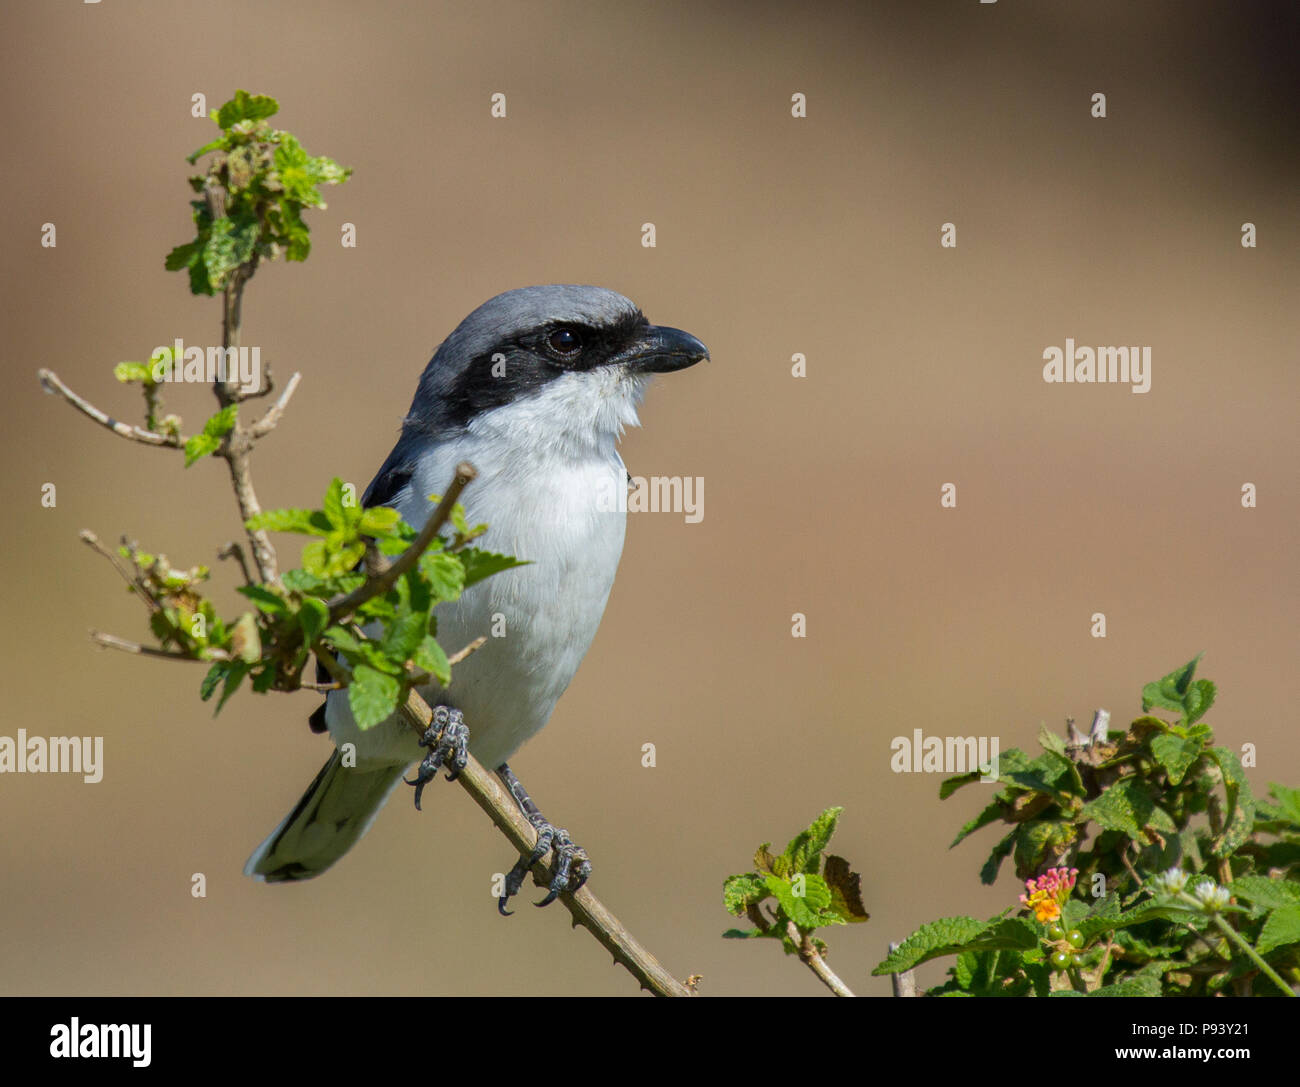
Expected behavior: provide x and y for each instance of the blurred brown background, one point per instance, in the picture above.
(775, 236)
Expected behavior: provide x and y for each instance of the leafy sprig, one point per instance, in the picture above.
(252, 195)
(1134, 813)
(790, 895)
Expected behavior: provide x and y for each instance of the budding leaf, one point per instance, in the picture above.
(208, 440)
(245, 107)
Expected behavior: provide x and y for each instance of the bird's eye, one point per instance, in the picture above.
(565, 342)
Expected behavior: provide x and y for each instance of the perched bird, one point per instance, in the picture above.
(534, 389)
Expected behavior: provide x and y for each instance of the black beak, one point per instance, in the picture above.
(660, 350)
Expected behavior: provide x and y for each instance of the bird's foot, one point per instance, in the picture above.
(447, 739)
(572, 866)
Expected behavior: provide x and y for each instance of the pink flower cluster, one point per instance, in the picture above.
(1047, 893)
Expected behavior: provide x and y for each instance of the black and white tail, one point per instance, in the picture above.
(333, 814)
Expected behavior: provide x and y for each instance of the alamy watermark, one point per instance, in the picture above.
(237, 365)
(82, 755)
(1112, 365)
(653, 494)
(921, 754)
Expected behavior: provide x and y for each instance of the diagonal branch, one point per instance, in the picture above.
(51, 384)
(587, 910)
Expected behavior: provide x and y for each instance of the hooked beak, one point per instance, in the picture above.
(660, 350)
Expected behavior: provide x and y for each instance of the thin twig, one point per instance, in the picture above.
(809, 955)
(237, 445)
(1128, 864)
(379, 584)
(268, 422)
(51, 384)
(477, 643)
(133, 580)
(112, 641)
(232, 550)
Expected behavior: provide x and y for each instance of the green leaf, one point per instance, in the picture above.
(342, 639)
(1007, 934)
(199, 446)
(313, 618)
(803, 909)
(215, 675)
(1240, 818)
(372, 696)
(209, 439)
(429, 657)
(946, 936)
(405, 635)
(236, 671)
(264, 599)
(1034, 840)
(950, 785)
(742, 934)
(1139, 915)
(1266, 892)
(1288, 800)
(289, 520)
(1199, 698)
(805, 848)
(379, 521)
(1139, 985)
(741, 892)
(1170, 692)
(446, 574)
(211, 145)
(1175, 754)
(333, 505)
(458, 521)
(1281, 928)
(126, 372)
(1050, 741)
(989, 815)
(183, 256)
(481, 564)
(989, 872)
(1126, 807)
(300, 581)
(246, 107)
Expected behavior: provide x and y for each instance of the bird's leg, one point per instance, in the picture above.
(571, 864)
(447, 739)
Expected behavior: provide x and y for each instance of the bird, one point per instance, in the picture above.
(534, 389)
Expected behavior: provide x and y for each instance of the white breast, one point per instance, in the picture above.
(543, 487)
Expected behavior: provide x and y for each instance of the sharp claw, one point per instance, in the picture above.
(572, 866)
(501, 906)
(447, 739)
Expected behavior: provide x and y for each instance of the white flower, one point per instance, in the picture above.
(1168, 883)
(1211, 897)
